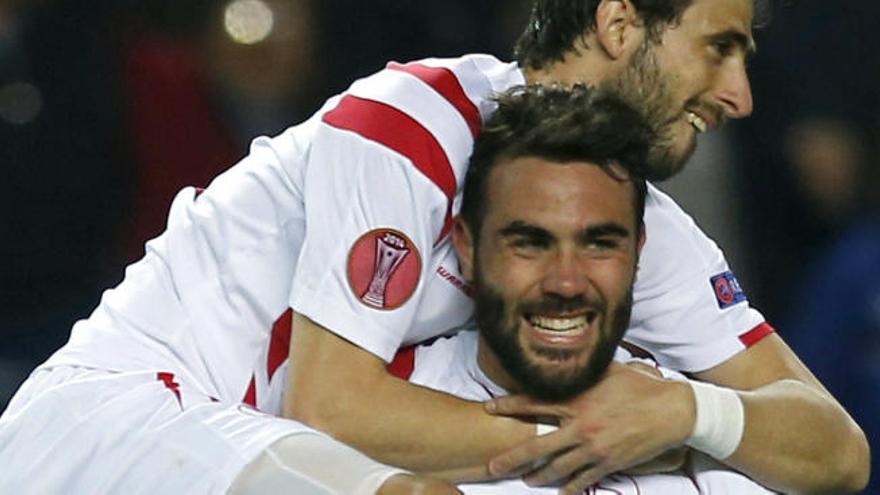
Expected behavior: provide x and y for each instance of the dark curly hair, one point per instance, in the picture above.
(556, 25)
(562, 125)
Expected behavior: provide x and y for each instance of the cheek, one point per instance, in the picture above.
(512, 275)
(614, 278)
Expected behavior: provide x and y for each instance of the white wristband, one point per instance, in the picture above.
(544, 429)
(720, 420)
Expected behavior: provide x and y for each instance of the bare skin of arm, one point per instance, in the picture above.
(797, 437)
(339, 388)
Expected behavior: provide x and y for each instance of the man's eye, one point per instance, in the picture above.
(604, 244)
(723, 47)
(526, 243)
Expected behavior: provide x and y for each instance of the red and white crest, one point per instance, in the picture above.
(384, 268)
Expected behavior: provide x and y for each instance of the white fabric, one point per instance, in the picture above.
(275, 231)
(720, 422)
(81, 431)
(311, 464)
(450, 365)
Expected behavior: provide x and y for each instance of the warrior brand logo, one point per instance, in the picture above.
(383, 268)
(727, 289)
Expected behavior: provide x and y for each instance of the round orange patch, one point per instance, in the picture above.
(384, 267)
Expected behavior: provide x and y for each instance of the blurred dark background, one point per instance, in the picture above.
(107, 108)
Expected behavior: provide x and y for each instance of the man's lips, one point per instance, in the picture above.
(704, 118)
(698, 122)
(561, 329)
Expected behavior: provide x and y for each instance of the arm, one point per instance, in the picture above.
(797, 438)
(389, 419)
(783, 402)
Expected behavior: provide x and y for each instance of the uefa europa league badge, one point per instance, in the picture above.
(384, 268)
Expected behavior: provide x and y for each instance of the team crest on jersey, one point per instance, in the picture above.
(384, 268)
(727, 289)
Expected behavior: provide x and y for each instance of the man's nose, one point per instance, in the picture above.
(565, 276)
(735, 91)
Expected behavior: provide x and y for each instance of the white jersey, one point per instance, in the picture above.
(450, 365)
(345, 219)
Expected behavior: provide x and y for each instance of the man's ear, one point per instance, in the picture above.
(643, 236)
(618, 27)
(463, 242)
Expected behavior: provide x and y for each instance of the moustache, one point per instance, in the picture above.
(553, 303)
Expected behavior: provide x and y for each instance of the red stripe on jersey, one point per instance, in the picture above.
(403, 363)
(394, 129)
(279, 345)
(756, 334)
(250, 397)
(446, 83)
(168, 380)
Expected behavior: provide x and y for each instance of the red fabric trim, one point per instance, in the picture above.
(446, 83)
(279, 345)
(756, 334)
(394, 129)
(168, 380)
(250, 397)
(403, 363)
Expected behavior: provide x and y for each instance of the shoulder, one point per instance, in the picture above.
(675, 246)
(431, 106)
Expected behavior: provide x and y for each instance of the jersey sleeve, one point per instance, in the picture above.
(689, 311)
(378, 191)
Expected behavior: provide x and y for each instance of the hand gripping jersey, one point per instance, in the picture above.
(450, 365)
(345, 218)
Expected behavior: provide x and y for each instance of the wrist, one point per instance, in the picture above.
(685, 415)
(720, 420)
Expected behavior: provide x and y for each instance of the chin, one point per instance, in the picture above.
(667, 161)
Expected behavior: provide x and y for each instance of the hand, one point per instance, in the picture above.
(403, 484)
(628, 418)
(669, 461)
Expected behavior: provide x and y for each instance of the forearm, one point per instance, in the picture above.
(419, 429)
(343, 390)
(798, 439)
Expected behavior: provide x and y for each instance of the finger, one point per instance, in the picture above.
(562, 467)
(520, 405)
(585, 479)
(532, 453)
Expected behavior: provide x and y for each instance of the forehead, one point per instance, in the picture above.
(550, 193)
(711, 17)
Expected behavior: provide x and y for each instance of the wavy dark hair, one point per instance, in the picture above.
(560, 124)
(556, 25)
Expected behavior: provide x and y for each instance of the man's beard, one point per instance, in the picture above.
(646, 88)
(499, 326)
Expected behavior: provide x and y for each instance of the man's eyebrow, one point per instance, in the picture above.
(609, 229)
(523, 229)
(745, 42)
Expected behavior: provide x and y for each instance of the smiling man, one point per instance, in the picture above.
(549, 234)
(293, 279)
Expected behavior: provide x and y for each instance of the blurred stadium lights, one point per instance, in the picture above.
(248, 21)
(20, 103)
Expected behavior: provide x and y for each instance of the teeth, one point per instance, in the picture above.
(563, 326)
(695, 120)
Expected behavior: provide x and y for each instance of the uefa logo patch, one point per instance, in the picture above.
(384, 268)
(727, 289)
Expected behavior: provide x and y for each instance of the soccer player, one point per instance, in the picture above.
(345, 220)
(573, 259)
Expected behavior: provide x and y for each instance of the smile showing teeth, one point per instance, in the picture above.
(560, 326)
(696, 121)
